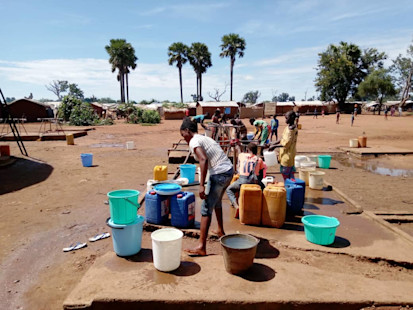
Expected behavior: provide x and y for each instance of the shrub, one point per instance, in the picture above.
(65, 109)
(83, 115)
(136, 116)
(151, 117)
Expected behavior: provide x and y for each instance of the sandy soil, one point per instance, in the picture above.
(49, 200)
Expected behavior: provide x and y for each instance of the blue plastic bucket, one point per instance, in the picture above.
(87, 159)
(188, 171)
(123, 205)
(250, 136)
(320, 229)
(324, 161)
(127, 239)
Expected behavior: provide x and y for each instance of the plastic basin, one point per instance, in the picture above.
(188, 171)
(123, 205)
(87, 159)
(320, 229)
(238, 252)
(166, 248)
(324, 161)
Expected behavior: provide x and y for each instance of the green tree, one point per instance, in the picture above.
(342, 68)
(402, 67)
(121, 57)
(66, 107)
(200, 59)
(232, 45)
(75, 91)
(377, 84)
(251, 97)
(58, 87)
(83, 115)
(178, 53)
(283, 97)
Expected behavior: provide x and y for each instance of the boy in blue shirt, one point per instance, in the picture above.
(274, 127)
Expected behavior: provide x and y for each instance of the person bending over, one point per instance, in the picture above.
(211, 158)
(199, 119)
(261, 129)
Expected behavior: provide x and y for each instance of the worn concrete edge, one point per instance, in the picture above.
(372, 215)
(232, 304)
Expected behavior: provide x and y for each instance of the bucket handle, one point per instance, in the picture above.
(132, 203)
(114, 227)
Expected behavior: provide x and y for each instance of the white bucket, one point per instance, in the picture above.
(316, 180)
(354, 143)
(299, 159)
(308, 164)
(130, 145)
(166, 248)
(270, 158)
(313, 158)
(304, 174)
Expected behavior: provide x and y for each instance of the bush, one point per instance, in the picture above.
(151, 117)
(136, 116)
(83, 115)
(65, 109)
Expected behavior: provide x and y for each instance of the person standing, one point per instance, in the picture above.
(400, 111)
(211, 159)
(352, 118)
(274, 127)
(315, 113)
(386, 111)
(337, 116)
(288, 145)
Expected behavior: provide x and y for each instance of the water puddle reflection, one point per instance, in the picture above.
(372, 165)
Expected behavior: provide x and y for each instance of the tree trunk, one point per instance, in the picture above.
(180, 83)
(232, 74)
(127, 88)
(380, 103)
(123, 87)
(197, 87)
(200, 85)
(120, 84)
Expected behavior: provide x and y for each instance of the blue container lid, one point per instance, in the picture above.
(139, 219)
(168, 187)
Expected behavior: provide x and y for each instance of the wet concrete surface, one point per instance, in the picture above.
(113, 281)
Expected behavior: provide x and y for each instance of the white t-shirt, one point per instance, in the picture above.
(218, 162)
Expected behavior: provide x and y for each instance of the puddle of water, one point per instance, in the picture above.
(121, 145)
(372, 166)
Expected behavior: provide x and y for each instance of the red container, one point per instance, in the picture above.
(5, 150)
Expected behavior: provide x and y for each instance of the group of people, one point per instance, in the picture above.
(250, 167)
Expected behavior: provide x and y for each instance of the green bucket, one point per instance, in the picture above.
(123, 204)
(324, 161)
(320, 229)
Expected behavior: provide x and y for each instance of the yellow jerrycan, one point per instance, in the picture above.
(250, 204)
(160, 173)
(274, 204)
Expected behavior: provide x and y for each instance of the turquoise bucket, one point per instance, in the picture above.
(324, 161)
(123, 205)
(320, 229)
(127, 239)
(87, 159)
(188, 171)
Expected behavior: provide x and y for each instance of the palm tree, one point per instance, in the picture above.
(200, 59)
(178, 53)
(232, 44)
(122, 57)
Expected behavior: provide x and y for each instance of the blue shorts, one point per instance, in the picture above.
(216, 187)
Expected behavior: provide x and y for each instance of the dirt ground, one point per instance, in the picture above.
(48, 200)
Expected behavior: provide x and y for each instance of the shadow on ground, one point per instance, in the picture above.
(23, 173)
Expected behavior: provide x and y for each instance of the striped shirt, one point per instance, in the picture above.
(218, 162)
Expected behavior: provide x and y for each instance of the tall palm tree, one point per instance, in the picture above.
(200, 59)
(232, 44)
(122, 57)
(178, 53)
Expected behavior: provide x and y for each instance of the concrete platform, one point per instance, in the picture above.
(45, 136)
(131, 283)
(376, 151)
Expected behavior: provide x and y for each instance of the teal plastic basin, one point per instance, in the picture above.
(324, 161)
(320, 229)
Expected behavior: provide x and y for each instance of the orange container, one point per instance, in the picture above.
(5, 150)
(362, 141)
(276, 184)
(274, 206)
(160, 173)
(250, 204)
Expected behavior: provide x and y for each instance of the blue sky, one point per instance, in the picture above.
(47, 40)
